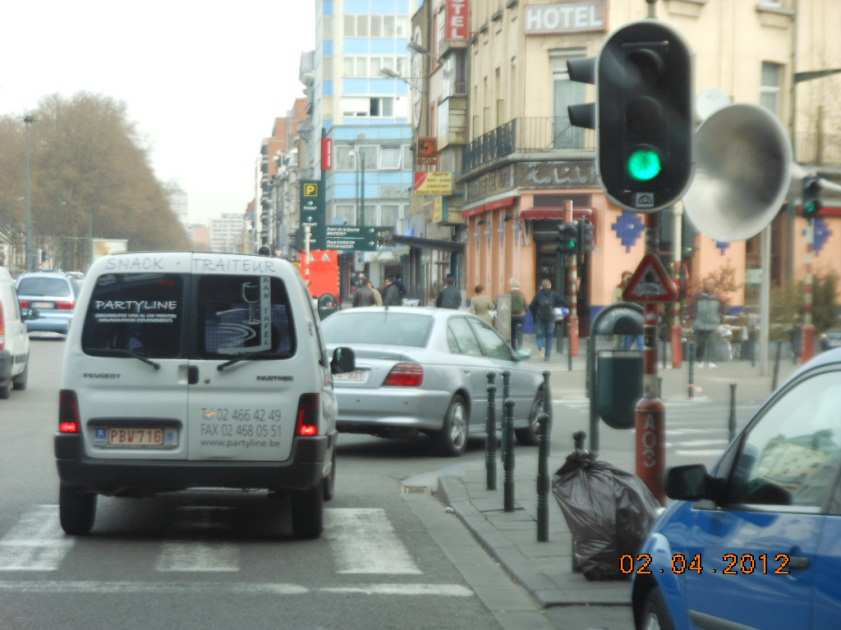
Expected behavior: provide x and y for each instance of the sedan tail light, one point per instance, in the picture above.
(306, 424)
(68, 412)
(405, 375)
(65, 305)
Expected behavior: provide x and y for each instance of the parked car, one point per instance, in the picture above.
(14, 341)
(422, 370)
(214, 377)
(831, 339)
(755, 542)
(52, 295)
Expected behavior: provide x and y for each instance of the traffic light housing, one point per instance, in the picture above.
(811, 196)
(585, 237)
(643, 78)
(568, 238)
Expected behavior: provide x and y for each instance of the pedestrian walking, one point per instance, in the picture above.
(706, 320)
(481, 305)
(449, 296)
(363, 295)
(398, 282)
(542, 309)
(518, 314)
(391, 293)
(378, 297)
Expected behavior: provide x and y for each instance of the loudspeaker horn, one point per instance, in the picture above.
(742, 173)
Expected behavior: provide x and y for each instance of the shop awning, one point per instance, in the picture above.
(428, 243)
(537, 214)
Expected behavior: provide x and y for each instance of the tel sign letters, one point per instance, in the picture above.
(457, 27)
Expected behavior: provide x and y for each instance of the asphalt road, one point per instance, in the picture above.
(226, 559)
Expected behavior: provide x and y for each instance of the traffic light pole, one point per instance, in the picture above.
(572, 290)
(677, 247)
(808, 332)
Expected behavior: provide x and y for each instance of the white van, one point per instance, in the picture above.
(14, 340)
(193, 370)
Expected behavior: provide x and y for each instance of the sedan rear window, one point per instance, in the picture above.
(50, 287)
(378, 328)
(135, 312)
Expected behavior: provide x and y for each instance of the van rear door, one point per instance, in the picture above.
(244, 350)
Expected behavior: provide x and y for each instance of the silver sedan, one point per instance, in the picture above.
(425, 370)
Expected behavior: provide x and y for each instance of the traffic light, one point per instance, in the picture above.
(643, 77)
(811, 196)
(585, 237)
(568, 238)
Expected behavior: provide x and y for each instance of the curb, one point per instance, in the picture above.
(544, 590)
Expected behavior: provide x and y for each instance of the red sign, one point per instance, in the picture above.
(650, 283)
(427, 151)
(326, 153)
(458, 24)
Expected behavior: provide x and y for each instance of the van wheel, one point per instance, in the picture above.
(452, 439)
(19, 382)
(330, 480)
(655, 615)
(76, 510)
(6, 390)
(308, 512)
(530, 436)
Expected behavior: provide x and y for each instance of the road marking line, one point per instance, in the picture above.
(700, 452)
(364, 541)
(84, 587)
(199, 557)
(36, 542)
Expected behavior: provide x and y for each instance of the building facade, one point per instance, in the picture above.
(226, 233)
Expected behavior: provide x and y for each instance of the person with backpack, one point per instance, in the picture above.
(543, 312)
(518, 314)
(391, 293)
(450, 296)
(481, 305)
(363, 296)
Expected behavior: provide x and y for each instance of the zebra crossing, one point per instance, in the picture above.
(362, 542)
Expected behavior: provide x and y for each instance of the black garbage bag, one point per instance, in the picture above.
(609, 512)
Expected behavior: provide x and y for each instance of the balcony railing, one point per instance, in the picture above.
(525, 135)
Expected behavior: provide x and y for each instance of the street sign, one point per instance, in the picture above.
(312, 210)
(434, 183)
(352, 238)
(650, 283)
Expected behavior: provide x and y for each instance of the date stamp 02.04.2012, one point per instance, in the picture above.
(725, 564)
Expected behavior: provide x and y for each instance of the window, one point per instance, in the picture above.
(388, 26)
(407, 157)
(792, 454)
(402, 27)
(376, 26)
(769, 89)
(344, 157)
(565, 93)
(135, 312)
(361, 67)
(383, 328)
(389, 215)
(355, 107)
(350, 26)
(402, 67)
(344, 214)
(371, 214)
(388, 63)
(376, 66)
(390, 158)
(771, 4)
(35, 286)
(491, 343)
(369, 154)
(464, 337)
(362, 26)
(382, 107)
(350, 66)
(244, 315)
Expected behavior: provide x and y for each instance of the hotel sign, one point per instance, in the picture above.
(571, 16)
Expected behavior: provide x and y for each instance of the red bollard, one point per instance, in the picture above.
(650, 422)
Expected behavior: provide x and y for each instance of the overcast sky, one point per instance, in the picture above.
(203, 80)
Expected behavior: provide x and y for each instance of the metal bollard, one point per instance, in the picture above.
(506, 394)
(569, 345)
(731, 421)
(490, 442)
(543, 478)
(691, 389)
(508, 455)
(776, 367)
(547, 394)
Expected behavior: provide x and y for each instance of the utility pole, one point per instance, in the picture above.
(677, 249)
(28, 119)
(572, 290)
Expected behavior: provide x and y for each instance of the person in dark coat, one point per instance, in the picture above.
(391, 293)
(543, 312)
(363, 296)
(450, 296)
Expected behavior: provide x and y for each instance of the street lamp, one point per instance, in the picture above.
(359, 155)
(28, 119)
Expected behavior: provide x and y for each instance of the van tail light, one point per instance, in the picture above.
(65, 305)
(306, 424)
(23, 303)
(2, 329)
(68, 412)
(405, 375)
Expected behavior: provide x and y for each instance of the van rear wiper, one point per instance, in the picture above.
(124, 352)
(244, 356)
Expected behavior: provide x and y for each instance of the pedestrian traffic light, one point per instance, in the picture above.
(585, 237)
(643, 77)
(568, 237)
(811, 196)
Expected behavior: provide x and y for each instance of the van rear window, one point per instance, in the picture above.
(244, 315)
(136, 312)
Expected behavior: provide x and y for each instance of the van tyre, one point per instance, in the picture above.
(19, 382)
(76, 510)
(330, 480)
(5, 390)
(655, 615)
(452, 439)
(530, 435)
(308, 512)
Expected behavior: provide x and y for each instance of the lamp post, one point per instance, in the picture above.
(28, 119)
(359, 154)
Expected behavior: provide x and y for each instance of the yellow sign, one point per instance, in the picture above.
(438, 210)
(310, 190)
(434, 183)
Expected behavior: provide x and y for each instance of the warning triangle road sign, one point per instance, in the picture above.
(650, 283)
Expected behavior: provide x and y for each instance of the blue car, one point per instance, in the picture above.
(52, 295)
(756, 541)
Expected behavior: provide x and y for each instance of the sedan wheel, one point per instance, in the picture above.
(530, 436)
(452, 439)
(655, 614)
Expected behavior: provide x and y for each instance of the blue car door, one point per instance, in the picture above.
(753, 558)
(827, 609)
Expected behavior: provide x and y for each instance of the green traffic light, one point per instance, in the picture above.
(810, 209)
(644, 165)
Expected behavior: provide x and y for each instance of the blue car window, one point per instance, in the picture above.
(791, 456)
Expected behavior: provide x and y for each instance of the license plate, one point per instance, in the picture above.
(357, 376)
(43, 305)
(135, 437)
